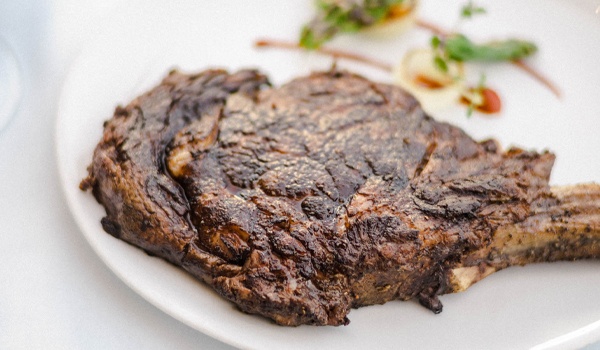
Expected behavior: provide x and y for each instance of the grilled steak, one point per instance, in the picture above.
(329, 193)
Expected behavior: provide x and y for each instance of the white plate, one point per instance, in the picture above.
(516, 308)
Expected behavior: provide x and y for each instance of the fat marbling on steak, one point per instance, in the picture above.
(331, 192)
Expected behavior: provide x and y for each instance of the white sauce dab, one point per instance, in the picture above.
(433, 88)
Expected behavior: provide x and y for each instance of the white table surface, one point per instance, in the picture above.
(55, 293)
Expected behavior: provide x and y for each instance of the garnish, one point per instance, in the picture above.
(481, 99)
(441, 63)
(474, 97)
(436, 76)
(511, 50)
(338, 16)
(470, 9)
(450, 49)
(336, 54)
(433, 86)
(460, 48)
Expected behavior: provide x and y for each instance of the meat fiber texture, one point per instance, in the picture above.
(329, 193)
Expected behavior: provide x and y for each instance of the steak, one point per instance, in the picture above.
(329, 193)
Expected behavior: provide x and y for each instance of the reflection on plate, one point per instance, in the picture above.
(516, 308)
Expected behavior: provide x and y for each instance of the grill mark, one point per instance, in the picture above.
(425, 159)
(380, 93)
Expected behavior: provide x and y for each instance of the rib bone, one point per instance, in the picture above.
(567, 231)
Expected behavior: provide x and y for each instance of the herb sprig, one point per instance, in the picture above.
(450, 48)
(470, 9)
(458, 47)
(337, 16)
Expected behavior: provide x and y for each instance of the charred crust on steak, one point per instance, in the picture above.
(301, 202)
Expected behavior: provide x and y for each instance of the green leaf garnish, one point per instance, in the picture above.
(435, 42)
(478, 90)
(337, 16)
(470, 9)
(440, 63)
(460, 48)
(481, 84)
(470, 110)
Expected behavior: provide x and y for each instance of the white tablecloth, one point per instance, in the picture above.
(55, 293)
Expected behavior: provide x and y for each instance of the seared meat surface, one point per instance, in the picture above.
(329, 193)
